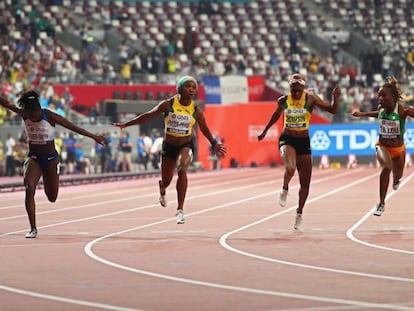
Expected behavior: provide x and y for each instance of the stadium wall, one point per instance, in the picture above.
(239, 125)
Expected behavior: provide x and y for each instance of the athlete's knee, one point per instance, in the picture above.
(385, 164)
(182, 172)
(386, 169)
(182, 167)
(30, 189)
(165, 183)
(290, 170)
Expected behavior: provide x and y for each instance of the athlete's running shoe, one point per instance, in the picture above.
(180, 216)
(283, 198)
(396, 185)
(162, 199)
(298, 221)
(379, 209)
(31, 234)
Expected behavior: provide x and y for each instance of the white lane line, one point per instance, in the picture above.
(65, 300)
(223, 242)
(203, 185)
(90, 253)
(93, 304)
(24, 292)
(134, 198)
(86, 303)
(350, 232)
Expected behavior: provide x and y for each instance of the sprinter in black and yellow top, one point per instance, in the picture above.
(294, 142)
(180, 116)
(390, 148)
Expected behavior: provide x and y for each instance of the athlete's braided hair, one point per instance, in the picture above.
(394, 87)
(29, 101)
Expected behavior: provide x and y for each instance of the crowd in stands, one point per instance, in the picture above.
(31, 56)
(120, 154)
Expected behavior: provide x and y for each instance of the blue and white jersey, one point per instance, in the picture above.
(41, 132)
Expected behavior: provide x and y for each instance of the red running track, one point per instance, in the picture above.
(109, 246)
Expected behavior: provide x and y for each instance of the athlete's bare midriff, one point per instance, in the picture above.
(292, 133)
(393, 143)
(47, 148)
(178, 141)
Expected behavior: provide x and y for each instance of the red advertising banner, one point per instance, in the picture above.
(239, 125)
(256, 86)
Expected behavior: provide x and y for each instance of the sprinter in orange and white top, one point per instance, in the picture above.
(294, 142)
(180, 116)
(390, 147)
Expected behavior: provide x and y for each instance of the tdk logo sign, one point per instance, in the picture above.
(343, 139)
(349, 139)
(320, 141)
(409, 138)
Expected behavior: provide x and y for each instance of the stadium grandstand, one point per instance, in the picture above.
(55, 45)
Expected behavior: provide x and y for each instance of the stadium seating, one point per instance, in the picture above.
(253, 31)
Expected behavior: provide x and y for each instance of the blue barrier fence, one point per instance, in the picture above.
(355, 138)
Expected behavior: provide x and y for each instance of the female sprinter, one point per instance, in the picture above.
(43, 159)
(180, 114)
(294, 142)
(390, 148)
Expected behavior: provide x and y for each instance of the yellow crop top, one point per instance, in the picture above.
(180, 120)
(296, 113)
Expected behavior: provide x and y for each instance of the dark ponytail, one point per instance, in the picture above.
(396, 90)
(29, 101)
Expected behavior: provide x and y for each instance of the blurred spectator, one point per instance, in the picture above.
(2, 163)
(156, 150)
(143, 151)
(190, 41)
(106, 154)
(67, 99)
(20, 152)
(10, 155)
(209, 7)
(125, 146)
(3, 115)
(334, 48)
(69, 144)
(57, 104)
(136, 65)
(293, 41)
(4, 31)
(83, 164)
(93, 115)
(126, 72)
(170, 66)
(59, 145)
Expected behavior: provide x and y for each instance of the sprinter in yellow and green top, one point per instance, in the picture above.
(390, 147)
(294, 142)
(297, 112)
(179, 120)
(180, 116)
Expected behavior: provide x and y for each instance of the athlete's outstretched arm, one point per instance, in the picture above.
(6, 104)
(58, 119)
(275, 116)
(218, 148)
(372, 114)
(332, 108)
(146, 116)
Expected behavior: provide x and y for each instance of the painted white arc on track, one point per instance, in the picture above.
(89, 252)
